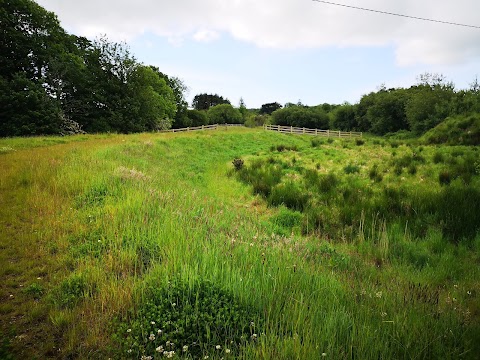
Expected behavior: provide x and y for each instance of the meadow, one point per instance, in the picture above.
(238, 243)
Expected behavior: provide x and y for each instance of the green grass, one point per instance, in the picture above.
(102, 234)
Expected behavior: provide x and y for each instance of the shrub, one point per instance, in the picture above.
(374, 174)
(412, 169)
(351, 169)
(283, 147)
(359, 142)
(316, 142)
(237, 164)
(290, 195)
(287, 218)
(327, 182)
(444, 177)
(438, 158)
(189, 318)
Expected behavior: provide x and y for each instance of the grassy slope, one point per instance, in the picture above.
(118, 212)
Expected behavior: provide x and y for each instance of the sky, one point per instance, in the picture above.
(287, 50)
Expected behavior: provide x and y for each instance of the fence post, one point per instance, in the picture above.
(188, 129)
(203, 127)
(350, 134)
(291, 129)
(304, 130)
(328, 132)
(316, 132)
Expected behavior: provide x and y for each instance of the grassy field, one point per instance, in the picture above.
(238, 243)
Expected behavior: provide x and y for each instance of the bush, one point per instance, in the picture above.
(290, 195)
(351, 169)
(438, 158)
(193, 319)
(444, 177)
(374, 174)
(316, 142)
(283, 147)
(359, 142)
(238, 164)
(287, 218)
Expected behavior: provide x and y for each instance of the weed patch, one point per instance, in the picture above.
(195, 320)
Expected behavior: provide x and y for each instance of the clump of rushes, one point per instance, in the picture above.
(444, 178)
(237, 164)
(189, 319)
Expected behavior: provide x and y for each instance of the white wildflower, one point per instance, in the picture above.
(151, 337)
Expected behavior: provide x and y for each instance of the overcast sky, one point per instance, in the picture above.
(287, 50)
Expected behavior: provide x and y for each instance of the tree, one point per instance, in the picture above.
(205, 101)
(387, 113)
(429, 102)
(31, 39)
(343, 117)
(300, 116)
(196, 118)
(243, 109)
(179, 90)
(224, 114)
(269, 108)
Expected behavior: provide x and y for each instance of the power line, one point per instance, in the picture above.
(395, 14)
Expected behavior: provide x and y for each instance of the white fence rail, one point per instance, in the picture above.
(314, 132)
(203, 127)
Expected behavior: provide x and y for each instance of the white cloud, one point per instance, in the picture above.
(287, 24)
(206, 36)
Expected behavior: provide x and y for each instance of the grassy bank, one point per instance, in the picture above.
(118, 246)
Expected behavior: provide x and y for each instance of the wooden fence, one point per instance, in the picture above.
(314, 132)
(203, 127)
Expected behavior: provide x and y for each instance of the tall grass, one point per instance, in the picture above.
(323, 263)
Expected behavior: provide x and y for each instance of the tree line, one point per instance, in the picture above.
(416, 109)
(52, 82)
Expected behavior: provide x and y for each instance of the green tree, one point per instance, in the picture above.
(205, 101)
(301, 116)
(343, 117)
(196, 118)
(30, 40)
(269, 108)
(224, 114)
(429, 102)
(387, 113)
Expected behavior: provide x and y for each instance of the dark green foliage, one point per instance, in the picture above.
(316, 142)
(412, 169)
(300, 116)
(343, 118)
(458, 211)
(351, 169)
(268, 109)
(287, 218)
(224, 114)
(444, 177)
(374, 174)
(261, 176)
(290, 195)
(359, 142)
(199, 315)
(206, 101)
(52, 82)
(438, 158)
